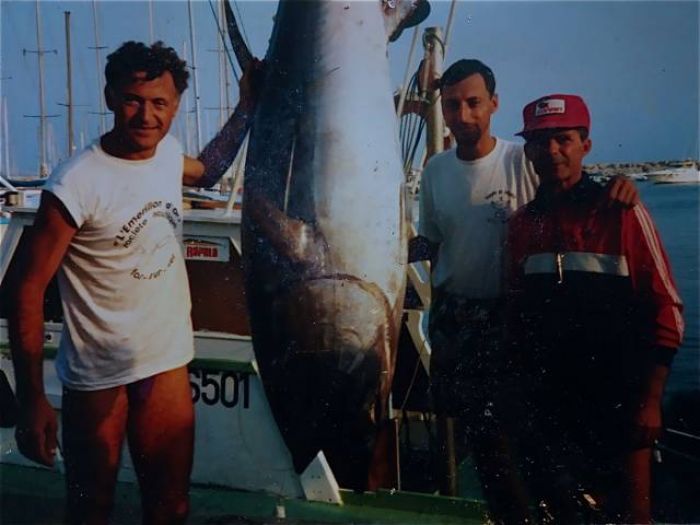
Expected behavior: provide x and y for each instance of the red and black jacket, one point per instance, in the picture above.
(590, 285)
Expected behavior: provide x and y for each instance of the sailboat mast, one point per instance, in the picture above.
(188, 137)
(6, 134)
(435, 141)
(150, 21)
(69, 86)
(42, 116)
(223, 106)
(99, 68)
(195, 83)
(43, 169)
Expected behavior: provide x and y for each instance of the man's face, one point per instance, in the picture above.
(557, 155)
(143, 112)
(467, 107)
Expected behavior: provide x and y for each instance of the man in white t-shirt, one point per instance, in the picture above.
(109, 222)
(467, 195)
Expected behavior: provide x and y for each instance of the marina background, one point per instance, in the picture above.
(636, 64)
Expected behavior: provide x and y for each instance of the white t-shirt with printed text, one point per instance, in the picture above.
(465, 207)
(123, 281)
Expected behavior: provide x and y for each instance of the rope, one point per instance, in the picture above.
(448, 30)
(238, 12)
(405, 83)
(411, 126)
(222, 35)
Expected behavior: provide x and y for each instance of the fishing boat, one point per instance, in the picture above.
(238, 447)
(242, 466)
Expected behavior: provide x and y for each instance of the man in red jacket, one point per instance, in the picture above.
(595, 321)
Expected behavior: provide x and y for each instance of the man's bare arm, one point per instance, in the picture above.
(45, 246)
(217, 156)
(647, 417)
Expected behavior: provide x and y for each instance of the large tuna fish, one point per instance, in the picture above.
(324, 238)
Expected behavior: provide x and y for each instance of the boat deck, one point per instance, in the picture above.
(36, 495)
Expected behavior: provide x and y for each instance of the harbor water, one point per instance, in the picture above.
(674, 208)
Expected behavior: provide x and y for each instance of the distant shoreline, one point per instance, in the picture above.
(605, 169)
(628, 168)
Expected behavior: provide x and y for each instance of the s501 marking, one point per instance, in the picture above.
(215, 387)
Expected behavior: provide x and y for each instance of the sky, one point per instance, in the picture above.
(635, 63)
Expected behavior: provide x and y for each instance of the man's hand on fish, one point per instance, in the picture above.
(251, 84)
(218, 155)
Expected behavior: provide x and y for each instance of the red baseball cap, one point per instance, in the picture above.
(555, 111)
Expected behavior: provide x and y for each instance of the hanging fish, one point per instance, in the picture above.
(323, 231)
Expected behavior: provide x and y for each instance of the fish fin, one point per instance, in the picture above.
(295, 239)
(402, 14)
(240, 49)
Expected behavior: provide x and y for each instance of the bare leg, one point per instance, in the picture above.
(383, 467)
(447, 456)
(161, 440)
(502, 486)
(94, 423)
(636, 504)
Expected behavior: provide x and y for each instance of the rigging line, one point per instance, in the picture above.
(220, 30)
(421, 127)
(411, 128)
(404, 126)
(407, 150)
(413, 138)
(403, 134)
(450, 19)
(408, 132)
(405, 87)
(240, 17)
(406, 144)
(411, 384)
(409, 90)
(416, 124)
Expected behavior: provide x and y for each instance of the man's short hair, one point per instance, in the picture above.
(467, 67)
(154, 60)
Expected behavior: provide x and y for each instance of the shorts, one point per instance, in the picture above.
(467, 365)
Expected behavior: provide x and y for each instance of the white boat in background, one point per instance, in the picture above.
(677, 176)
(638, 176)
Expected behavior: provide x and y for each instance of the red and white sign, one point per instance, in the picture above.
(206, 249)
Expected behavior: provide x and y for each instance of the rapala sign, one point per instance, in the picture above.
(206, 249)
